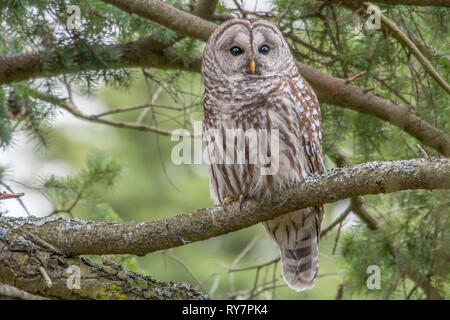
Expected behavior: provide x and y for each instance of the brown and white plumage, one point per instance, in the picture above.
(269, 95)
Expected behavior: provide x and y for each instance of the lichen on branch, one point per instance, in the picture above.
(76, 237)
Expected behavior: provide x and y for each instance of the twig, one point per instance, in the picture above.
(356, 76)
(239, 257)
(186, 267)
(18, 199)
(422, 152)
(340, 292)
(66, 105)
(257, 266)
(127, 109)
(44, 243)
(4, 195)
(337, 221)
(46, 277)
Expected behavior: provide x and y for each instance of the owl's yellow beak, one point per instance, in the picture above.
(252, 65)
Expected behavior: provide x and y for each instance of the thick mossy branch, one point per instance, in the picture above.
(27, 264)
(75, 237)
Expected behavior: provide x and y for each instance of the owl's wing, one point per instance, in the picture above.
(310, 121)
(298, 233)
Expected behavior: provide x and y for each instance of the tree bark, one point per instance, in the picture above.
(27, 264)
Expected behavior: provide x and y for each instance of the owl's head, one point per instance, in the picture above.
(245, 49)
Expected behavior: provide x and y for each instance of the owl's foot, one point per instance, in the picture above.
(228, 200)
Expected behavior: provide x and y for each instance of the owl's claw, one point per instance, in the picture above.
(228, 200)
(224, 206)
(241, 201)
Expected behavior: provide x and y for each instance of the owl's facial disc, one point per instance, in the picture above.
(244, 52)
(233, 51)
(269, 50)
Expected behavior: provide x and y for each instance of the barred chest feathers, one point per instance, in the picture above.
(276, 114)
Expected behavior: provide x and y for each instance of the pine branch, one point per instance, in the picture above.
(5, 195)
(402, 258)
(403, 39)
(145, 52)
(75, 237)
(337, 92)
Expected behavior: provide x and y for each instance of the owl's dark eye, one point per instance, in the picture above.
(235, 51)
(264, 49)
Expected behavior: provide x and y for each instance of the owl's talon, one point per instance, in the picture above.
(241, 201)
(228, 200)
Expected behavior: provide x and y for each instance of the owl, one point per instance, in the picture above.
(252, 84)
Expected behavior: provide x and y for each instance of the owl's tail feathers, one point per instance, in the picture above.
(300, 263)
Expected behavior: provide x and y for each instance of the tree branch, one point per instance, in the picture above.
(75, 237)
(145, 52)
(5, 195)
(205, 9)
(26, 265)
(336, 91)
(157, 11)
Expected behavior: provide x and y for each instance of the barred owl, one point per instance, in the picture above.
(252, 83)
